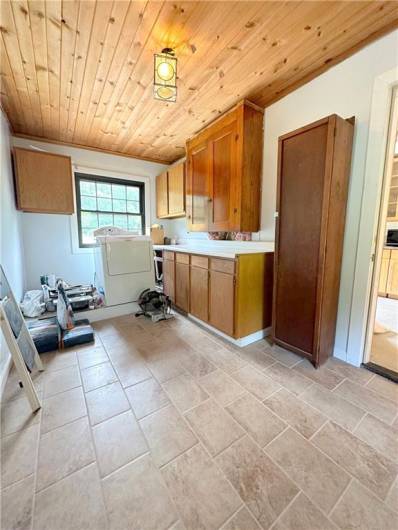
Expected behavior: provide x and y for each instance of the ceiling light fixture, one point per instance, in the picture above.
(165, 75)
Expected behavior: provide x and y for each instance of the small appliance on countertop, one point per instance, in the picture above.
(392, 237)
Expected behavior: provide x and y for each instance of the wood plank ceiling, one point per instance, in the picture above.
(81, 72)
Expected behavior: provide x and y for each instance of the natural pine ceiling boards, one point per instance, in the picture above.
(81, 72)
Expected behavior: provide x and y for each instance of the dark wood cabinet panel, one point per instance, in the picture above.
(169, 278)
(221, 301)
(182, 286)
(313, 174)
(199, 302)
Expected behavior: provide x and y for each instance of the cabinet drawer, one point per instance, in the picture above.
(222, 265)
(182, 258)
(200, 261)
(168, 255)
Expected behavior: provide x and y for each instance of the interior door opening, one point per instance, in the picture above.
(381, 350)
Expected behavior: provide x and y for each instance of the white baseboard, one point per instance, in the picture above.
(243, 341)
(102, 313)
(4, 375)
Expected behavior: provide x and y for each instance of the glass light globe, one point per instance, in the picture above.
(165, 92)
(165, 71)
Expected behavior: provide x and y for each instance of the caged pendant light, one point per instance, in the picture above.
(165, 75)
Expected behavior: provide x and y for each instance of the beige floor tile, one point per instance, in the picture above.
(131, 371)
(91, 357)
(288, 378)
(221, 387)
(136, 497)
(256, 419)
(105, 402)
(64, 451)
(204, 498)
(74, 502)
(18, 455)
(146, 397)
(118, 441)
(305, 419)
(166, 368)
(63, 408)
(17, 505)
(225, 359)
(243, 520)
(17, 415)
(265, 489)
(255, 382)
(380, 436)
(97, 376)
(333, 406)
(61, 380)
(197, 365)
(323, 376)
(319, 478)
(215, 428)
(167, 434)
(256, 357)
(58, 360)
(392, 497)
(302, 514)
(178, 526)
(371, 401)
(384, 387)
(359, 509)
(358, 375)
(371, 468)
(184, 392)
(285, 357)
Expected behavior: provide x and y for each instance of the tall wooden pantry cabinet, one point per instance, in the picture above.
(313, 173)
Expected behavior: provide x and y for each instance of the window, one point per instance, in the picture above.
(103, 201)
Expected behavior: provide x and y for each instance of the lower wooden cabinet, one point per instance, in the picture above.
(221, 301)
(233, 296)
(388, 279)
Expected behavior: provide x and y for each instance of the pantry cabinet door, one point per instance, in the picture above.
(221, 301)
(198, 187)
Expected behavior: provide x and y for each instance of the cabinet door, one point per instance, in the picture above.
(169, 279)
(162, 201)
(182, 286)
(176, 187)
(43, 182)
(392, 280)
(221, 301)
(223, 174)
(198, 188)
(199, 293)
(385, 262)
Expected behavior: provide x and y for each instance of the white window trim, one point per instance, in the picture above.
(91, 171)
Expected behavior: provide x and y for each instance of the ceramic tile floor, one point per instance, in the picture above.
(165, 426)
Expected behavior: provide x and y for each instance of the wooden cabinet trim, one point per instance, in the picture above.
(199, 261)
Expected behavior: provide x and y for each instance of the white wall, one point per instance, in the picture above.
(11, 253)
(345, 89)
(50, 241)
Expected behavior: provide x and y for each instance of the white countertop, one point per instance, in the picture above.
(221, 249)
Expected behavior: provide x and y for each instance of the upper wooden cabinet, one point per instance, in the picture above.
(170, 192)
(224, 164)
(43, 181)
(392, 210)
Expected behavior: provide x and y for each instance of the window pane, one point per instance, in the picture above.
(89, 220)
(88, 203)
(87, 236)
(119, 205)
(133, 206)
(134, 223)
(120, 221)
(133, 194)
(104, 190)
(105, 219)
(118, 192)
(87, 188)
(104, 204)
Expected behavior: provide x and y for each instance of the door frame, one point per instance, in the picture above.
(379, 238)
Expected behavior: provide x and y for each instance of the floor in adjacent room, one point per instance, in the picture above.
(165, 426)
(384, 349)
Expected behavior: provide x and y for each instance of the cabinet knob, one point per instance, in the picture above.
(210, 199)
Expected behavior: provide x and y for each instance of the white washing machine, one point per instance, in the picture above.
(123, 265)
